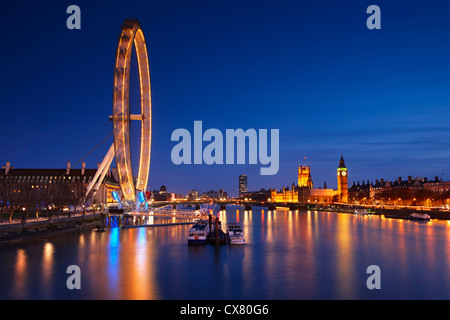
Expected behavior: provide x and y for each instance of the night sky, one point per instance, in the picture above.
(311, 69)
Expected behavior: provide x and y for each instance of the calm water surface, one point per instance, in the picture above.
(288, 255)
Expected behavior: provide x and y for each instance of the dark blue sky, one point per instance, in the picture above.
(311, 69)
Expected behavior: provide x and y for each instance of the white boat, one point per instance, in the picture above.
(199, 232)
(235, 233)
(419, 216)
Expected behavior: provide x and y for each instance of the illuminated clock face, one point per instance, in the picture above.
(339, 173)
(344, 173)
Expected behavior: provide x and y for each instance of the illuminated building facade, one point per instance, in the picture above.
(413, 191)
(304, 177)
(304, 191)
(286, 194)
(437, 186)
(45, 182)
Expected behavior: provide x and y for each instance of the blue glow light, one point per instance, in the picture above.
(141, 196)
(115, 196)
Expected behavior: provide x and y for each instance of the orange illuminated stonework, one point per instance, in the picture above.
(342, 178)
(304, 176)
(304, 191)
(285, 195)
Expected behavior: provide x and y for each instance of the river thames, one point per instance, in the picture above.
(287, 255)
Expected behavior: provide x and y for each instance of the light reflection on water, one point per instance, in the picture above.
(288, 255)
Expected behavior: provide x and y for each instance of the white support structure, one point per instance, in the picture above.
(101, 172)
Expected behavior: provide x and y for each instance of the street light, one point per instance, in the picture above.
(23, 218)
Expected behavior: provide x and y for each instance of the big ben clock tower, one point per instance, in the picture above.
(342, 181)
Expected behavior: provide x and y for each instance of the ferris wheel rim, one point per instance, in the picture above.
(131, 35)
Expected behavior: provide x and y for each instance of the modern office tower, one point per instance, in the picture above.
(242, 184)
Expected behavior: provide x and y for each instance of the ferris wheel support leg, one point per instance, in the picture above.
(101, 171)
(105, 170)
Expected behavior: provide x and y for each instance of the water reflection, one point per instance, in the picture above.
(287, 255)
(345, 268)
(112, 250)
(47, 268)
(20, 275)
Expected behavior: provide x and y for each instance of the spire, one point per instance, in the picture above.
(310, 182)
(341, 162)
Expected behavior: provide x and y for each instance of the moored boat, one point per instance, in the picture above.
(362, 212)
(199, 232)
(235, 233)
(413, 216)
(419, 216)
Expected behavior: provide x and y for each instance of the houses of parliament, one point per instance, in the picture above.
(304, 191)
